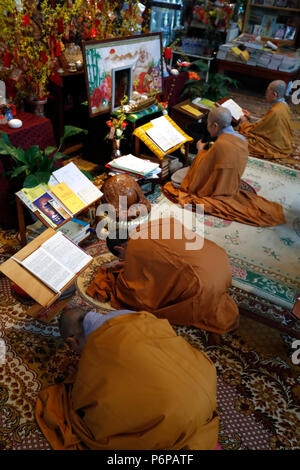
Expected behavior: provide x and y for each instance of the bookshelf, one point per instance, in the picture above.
(273, 22)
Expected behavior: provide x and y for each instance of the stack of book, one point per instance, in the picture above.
(204, 103)
(291, 62)
(76, 230)
(67, 193)
(136, 167)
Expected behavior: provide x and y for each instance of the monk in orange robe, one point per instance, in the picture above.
(214, 176)
(138, 386)
(271, 136)
(172, 277)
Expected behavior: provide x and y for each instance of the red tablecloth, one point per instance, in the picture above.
(36, 130)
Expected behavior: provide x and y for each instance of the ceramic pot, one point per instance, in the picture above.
(38, 107)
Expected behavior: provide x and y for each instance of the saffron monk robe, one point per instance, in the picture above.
(214, 176)
(271, 136)
(138, 386)
(175, 278)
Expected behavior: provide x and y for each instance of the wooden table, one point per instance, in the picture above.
(182, 117)
(244, 69)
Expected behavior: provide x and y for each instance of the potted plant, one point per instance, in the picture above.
(214, 89)
(34, 165)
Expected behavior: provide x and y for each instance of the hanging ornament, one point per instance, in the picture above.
(44, 57)
(25, 20)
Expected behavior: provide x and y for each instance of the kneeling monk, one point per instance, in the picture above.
(214, 176)
(164, 275)
(271, 136)
(138, 386)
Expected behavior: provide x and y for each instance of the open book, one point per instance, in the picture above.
(234, 108)
(78, 183)
(163, 134)
(56, 262)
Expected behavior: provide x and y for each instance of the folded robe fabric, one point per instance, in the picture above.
(138, 386)
(271, 136)
(186, 286)
(213, 180)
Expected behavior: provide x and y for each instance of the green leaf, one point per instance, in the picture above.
(42, 176)
(17, 171)
(201, 66)
(8, 149)
(46, 164)
(31, 181)
(58, 156)
(33, 156)
(69, 131)
(87, 174)
(5, 137)
(49, 150)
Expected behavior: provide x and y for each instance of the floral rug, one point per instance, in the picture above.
(264, 260)
(258, 389)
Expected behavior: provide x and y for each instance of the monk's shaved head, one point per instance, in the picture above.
(220, 116)
(278, 87)
(71, 323)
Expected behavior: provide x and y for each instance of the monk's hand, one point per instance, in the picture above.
(243, 119)
(114, 265)
(200, 145)
(246, 115)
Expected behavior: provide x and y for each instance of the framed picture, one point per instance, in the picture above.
(142, 54)
(290, 32)
(121, 84)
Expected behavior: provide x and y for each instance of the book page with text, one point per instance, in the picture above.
(47, 269)
(234, 108)
(66, 253)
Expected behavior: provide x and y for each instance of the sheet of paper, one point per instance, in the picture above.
(234, 108)
(134, 164)
(190, 109)
(33, 193)
(89, 194)
(68, 254)
(68, 197)
(165, 132)
(46, 268)
(77, 182)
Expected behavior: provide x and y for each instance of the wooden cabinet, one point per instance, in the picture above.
(273, 19)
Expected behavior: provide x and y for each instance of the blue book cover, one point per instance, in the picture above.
(42, 203)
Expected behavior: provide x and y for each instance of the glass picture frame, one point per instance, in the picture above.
(143, 53)
(121, 84)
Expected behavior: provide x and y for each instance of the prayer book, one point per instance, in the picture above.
(131, 164)
(192, 110)
(163, 134)
(78, 183)
(50, 271)
(56, 261)
(43, 204)
(68, 197)
(76, 230)
(204, 103)
(234, 108)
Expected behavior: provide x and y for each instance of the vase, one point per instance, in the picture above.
(116, 148)
(38, 107)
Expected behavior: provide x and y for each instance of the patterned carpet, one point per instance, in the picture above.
(258, 386)
(257, 106)
(264, 260)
